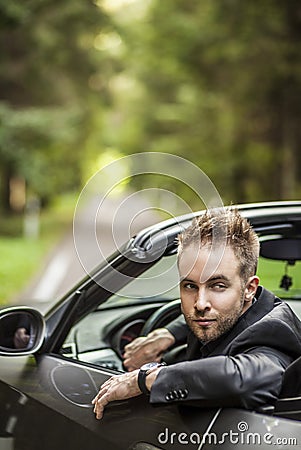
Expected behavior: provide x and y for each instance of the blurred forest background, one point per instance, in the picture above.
(83, 81)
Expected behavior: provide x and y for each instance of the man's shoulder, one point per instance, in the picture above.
(280, 329)
(268, 307)
(282, 314)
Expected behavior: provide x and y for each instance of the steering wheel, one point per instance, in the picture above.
(162, 316)
(159, 319)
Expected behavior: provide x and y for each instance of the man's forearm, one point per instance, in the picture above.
(245, 380)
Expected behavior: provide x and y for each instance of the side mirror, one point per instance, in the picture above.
(22, 331)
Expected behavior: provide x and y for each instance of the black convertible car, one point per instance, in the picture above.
(46, 388)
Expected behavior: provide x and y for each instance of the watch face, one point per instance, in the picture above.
(149, 366)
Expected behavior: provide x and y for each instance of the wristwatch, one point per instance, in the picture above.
(144, 371)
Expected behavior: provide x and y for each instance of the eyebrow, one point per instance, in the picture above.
(213, 278)
(186, 279)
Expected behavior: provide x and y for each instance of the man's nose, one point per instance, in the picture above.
(202, 301)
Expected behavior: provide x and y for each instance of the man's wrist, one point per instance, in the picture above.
(151, 377)
(145, 378)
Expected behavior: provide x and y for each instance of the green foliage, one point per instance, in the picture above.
(217, 83)
(35, 141)
(47, 59)
(43, 56)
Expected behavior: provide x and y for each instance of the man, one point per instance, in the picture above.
(241, 337)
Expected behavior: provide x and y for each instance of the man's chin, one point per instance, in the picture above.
(204, 336)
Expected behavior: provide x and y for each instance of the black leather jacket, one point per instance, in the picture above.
(243, 368)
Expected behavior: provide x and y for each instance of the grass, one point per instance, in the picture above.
(21, 256)
(19, 260)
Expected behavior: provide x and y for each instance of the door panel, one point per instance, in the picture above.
(51, 407)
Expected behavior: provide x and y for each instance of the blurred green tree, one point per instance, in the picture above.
(216, 82)
(219, 83)
(47, 62)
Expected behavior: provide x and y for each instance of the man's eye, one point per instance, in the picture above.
(218, 286)
(190, 286)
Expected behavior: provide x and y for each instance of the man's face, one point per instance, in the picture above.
(213, 295)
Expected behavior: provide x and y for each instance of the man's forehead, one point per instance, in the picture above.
(205, 262)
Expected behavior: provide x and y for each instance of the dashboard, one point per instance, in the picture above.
(100, 337)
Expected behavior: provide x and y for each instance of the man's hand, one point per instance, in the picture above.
(121, 387)
(21, 338)
(118, 387)
(147, 349)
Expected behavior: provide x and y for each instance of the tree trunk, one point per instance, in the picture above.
(5, 176)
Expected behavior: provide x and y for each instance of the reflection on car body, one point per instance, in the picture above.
(79, 344)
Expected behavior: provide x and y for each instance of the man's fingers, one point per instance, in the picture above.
(106, 392)
(103, 390)
(136, 343)
(100, 405)
(129, 368)
(104, 396)
(118, 387)
(109, 381)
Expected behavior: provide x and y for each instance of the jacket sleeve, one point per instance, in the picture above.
(246, 380)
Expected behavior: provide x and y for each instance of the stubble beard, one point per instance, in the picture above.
(220, 326)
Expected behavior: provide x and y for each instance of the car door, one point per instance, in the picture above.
(50, 407)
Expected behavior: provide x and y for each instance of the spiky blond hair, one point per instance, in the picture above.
(224, 227)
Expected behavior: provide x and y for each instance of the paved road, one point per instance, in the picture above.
(94, 240)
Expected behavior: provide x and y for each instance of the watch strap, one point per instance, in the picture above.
(142, 381)
(142, 374)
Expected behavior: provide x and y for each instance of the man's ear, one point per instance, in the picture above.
(251, 288)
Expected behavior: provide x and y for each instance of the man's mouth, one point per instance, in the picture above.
(204, 322)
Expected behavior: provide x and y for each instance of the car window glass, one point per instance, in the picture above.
(272, 273)
(161, 281)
